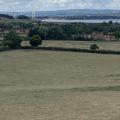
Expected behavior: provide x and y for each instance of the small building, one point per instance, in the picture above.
(100, 37)
(22, 31)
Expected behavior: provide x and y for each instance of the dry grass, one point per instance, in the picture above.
(43, 85)
(83, 44)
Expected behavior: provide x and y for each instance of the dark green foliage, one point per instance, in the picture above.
(35, 41)
(22, 17)
(94, 47)
(33, 32)
(25, 25)
(64, 31)
(43, 32)
(55, 32)
(6, 16)
(74, 31)
(12, 40)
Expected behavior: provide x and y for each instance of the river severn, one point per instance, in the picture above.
(83, 21)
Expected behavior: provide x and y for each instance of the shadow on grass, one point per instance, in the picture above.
(81, 89)
(90, 89)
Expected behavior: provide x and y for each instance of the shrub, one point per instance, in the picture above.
(33, 32)
(22, 17)
(35, 41)
(12, 40)
(94, 47)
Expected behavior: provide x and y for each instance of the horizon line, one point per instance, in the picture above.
(61, 10)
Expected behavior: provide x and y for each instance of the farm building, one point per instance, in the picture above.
(100, 37)
(18, 31)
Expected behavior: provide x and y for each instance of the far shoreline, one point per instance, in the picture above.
(56, 20)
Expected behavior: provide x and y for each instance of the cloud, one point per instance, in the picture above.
(26, 5)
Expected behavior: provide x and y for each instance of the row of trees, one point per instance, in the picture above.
(13, 41)
(48, 31)
(74, 31)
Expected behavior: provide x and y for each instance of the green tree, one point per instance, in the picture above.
(33, 32)
(117, 34)
(55, 32)
(35, 41)
(12, 40)
(43, 31)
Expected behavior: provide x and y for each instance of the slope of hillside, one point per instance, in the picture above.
(76, 12)
(70, 13)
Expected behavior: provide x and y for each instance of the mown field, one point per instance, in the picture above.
(44, 85)
(83, 44)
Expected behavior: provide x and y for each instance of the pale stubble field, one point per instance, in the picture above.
(45, 85)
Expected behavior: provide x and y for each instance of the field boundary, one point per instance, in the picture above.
(63, 49)
(113, 52)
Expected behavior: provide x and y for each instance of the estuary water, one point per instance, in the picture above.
(83, 21)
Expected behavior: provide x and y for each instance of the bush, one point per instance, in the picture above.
(22, 17)
(12, 40)
(35, 41)
(33, 32)
(94, 47)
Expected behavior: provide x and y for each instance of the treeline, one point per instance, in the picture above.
(63, 31)
(13, 41)
(15, 25)
(73, 31)
(11, 17)
(6, 16)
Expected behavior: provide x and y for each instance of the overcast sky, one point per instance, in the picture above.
(27, 5)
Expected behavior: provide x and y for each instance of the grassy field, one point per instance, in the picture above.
(83, 44)
(44, 85)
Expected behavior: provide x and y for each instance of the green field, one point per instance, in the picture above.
(83, 44)
(44, 85)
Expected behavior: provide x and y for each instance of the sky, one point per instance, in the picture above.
(45, 5)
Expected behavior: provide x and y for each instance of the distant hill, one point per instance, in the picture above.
(76, 12)
(71, 12)
(6, 16)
